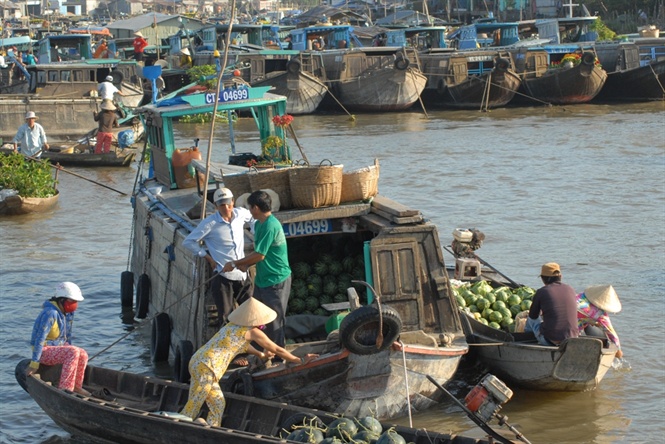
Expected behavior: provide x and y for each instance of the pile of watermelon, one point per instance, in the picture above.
(496, 307)
(365, 430)
(323, 282)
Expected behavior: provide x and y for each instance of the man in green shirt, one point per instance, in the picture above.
(272, 283)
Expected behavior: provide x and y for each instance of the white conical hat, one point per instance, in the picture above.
(252, 313)
(604, 297)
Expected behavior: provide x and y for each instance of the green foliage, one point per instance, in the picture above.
(196, 73)
(604, 33)
(29, 178)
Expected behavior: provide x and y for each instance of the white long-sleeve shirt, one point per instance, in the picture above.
(224, 240)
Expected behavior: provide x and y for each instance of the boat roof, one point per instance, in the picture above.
(93, 30)
(204, 102)
(15, 41)
(88, 63)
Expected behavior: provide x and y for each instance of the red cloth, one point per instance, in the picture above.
(139, 44)
(103, 143)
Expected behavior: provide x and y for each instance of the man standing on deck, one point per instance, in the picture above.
(32, 137)
(107, 89)
(223, 235)
(272, 283)
(139, 46)
(553, 313)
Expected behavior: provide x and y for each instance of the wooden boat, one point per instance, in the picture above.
(577, 364)
(634, 71)
(469, 79)
(374, 79)
(13, 204)
(393, 246)
(547, 80)
(137, 409)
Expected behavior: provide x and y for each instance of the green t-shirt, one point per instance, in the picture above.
(269, 240)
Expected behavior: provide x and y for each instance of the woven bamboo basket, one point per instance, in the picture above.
(360, 184)
(276, 180)
(237, 183)
(316, 186)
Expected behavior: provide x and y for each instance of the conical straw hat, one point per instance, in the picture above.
(252, 313)
(604, 297)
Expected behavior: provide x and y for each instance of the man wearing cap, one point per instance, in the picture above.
(593, 308)
(107, 89)
(553, 313)
(139, 46)
(272, 283)
(107, 121)
(223, 236)
(31, 136)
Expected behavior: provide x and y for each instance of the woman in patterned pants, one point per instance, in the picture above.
(209, 363)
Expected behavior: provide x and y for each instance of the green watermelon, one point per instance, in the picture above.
(340, 298)
(330, 288)
(335, 268)
(343, 428)
(515, 309)
(370, 424)
(348, 263)
(495, 316)
(302, 270)
(297, 305)
(321, 268)
(495, 325)
(498, 305)
(321, 312)
(312, 303)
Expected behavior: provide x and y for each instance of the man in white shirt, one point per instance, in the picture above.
(32, 137)
(107, 89)
(223, 235)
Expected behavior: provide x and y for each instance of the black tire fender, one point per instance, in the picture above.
(401, 63)
(589, 58)
(293, 66)
(118, 77)
(299, 420)
(127, 289)
(240, 382)
(502, 65)
(160, 340)
(359, 329)
(183, 354)
(142, 296)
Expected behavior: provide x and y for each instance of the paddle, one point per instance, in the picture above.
(59, 168)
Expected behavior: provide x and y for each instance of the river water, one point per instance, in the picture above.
(580, 185)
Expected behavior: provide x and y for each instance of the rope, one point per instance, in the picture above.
(420, 99)
(656, 76)
(148, 320)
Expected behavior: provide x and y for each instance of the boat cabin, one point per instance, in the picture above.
(64, 47)
(324, 37)
(422, 38)
(485, 33)
(263, 36)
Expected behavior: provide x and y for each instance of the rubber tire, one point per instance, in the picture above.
(293, 66)
(299, 419)
(127, 289)
(240, 382)
(160, 340)
(183, 354)
(358, 329)
(502, 65)
(401, 63)
(118, 77)
(588, 58)
(142, 296)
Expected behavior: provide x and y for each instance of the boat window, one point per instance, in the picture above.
(41, 77)
(53, 76)
(65, 76)
(91, 76)
(78, 76)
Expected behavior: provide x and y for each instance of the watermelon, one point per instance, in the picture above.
(391, 437)
(483, 321)
(335, 268)
(481, 288)
(302, 270)
(482, 303)
(506, 313)
(498, 305)
(297, 305)
(348, 264)
(526, 304)
(473, 308)
(495, 325)
(460, 301)
(342, 428)
(506, 322)
(486, 313)
(321, 268)
(312, 303)
(495, 316)
(321, 312)
(490, 297)
(340, 298)
(330, 288)
(370, 424)
(515, 309)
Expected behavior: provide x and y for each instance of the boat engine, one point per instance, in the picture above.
(465, 242)
(487, 398)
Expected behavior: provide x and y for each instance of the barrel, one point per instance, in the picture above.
(180, 160)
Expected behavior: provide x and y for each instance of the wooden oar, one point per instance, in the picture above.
(59, 168)
(302, 152)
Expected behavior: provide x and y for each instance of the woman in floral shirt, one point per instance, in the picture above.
(209, 363)
(593, 307)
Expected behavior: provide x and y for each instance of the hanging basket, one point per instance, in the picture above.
(316, 186)
(360, 184)
(273, 179)
(237, 183)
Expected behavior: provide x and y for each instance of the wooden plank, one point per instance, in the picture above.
(385, 204)
(337, 212)
(397, 219)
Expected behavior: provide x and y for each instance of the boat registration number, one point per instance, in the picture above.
(307, 227)
(229, 95)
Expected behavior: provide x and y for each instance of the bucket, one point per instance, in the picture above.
(180, 160)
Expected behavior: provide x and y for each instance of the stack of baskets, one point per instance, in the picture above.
(316, 186)
(360, 184)
(273, 179)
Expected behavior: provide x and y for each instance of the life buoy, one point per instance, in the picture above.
(401, 63)
(299, 420)
(588, 58)
(160, 340)
(142, 296)
(293, 66)
(127, 288)
(359, 329)
(502, 65)
(240, 382)
(183, 354)
(118, 77)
